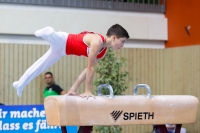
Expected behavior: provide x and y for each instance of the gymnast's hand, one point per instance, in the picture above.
(87, 94)
(72, 93)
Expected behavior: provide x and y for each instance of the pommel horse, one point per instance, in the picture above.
(156, 110)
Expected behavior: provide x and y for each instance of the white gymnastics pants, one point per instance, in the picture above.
(57, 41)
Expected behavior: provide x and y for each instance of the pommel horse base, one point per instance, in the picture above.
(156, 110)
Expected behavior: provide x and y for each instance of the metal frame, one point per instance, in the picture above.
(122, 5)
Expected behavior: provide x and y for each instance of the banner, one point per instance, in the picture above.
(27, 119)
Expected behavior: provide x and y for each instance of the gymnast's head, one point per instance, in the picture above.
(116, 36)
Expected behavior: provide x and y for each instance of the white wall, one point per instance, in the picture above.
(25, 19)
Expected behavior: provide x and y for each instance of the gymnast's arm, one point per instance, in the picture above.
(95, 47)
(78, 81)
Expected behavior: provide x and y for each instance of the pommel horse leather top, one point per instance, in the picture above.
(121, 110)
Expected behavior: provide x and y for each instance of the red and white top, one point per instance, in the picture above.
(76, 46)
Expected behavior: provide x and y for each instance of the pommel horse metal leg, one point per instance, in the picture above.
(163, 128)
(178, 128)
(85, 129)
(63, 129)
(82, 129)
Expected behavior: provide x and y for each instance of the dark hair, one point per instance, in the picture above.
(49, 73)
(118, 31)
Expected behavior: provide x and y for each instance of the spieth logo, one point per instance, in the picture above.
(115, 115)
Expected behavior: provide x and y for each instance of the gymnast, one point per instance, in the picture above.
(89, 44)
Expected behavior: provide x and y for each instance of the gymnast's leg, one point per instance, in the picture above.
(57, 42)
